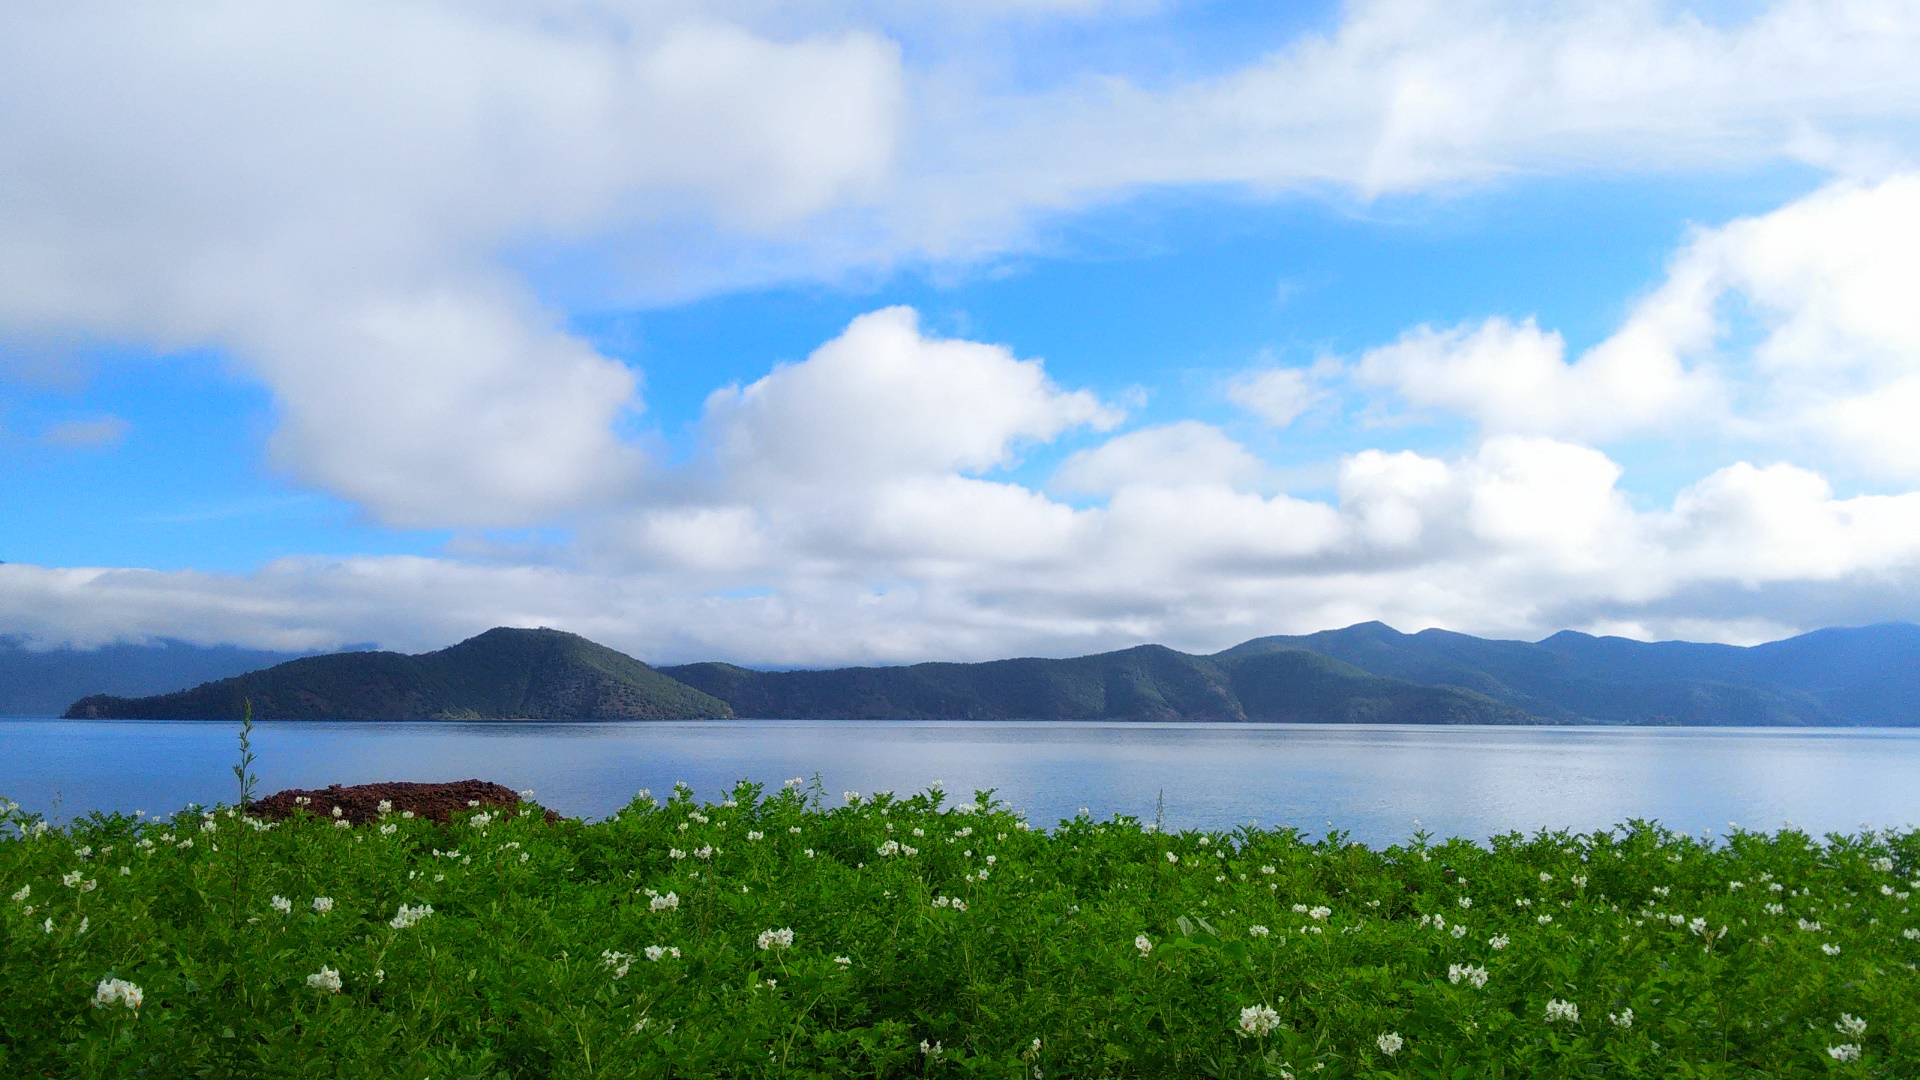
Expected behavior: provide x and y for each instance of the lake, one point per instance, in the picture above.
(1375, 781)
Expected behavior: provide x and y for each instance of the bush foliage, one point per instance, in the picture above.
(792, 935)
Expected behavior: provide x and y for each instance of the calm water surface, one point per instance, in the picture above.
(1373, 781)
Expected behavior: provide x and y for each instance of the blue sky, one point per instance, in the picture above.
(863, 332)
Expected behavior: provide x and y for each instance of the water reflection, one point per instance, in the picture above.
(1373, 781)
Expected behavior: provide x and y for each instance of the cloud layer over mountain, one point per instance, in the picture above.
(344, 200)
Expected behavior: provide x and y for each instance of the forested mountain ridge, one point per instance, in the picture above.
(1868, 675)
(1367, 673)
(501, 674)
(38, 681)
(1148, 682)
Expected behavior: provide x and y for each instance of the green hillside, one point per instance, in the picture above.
(501, 674)
(1150, 682)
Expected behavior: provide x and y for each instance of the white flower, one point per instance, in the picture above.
(1845, 1053)
(891, 847)
(852, 796)
(1829, 948)
(1459, 930)
(408, 916)
(1475, 976)
(71, 880)
(1301, 909)
(1774, 909)
(1172, 858)
(1465, 902)
(24, 892)
(322, 904)
(754, 834)
(325, 979)
(282, 905)
(1145, 946)
(619, 962)
(343, 823)
(1543, 919)
(808, 853)
(1558, 1010)
(931, 1049)
(389, 830)
(676, 853)
(844, 962)
(1257, 930)
(1806, 925)
(1622, 1019)
(776, 939)
(1258, 1020)
(664, 903)
(384, 806)
(1319, 913)
(1911, 934)
(1268, 870)
(1850, 1025)
(112, 990)
(1390, 1043)
(1545, 877)
(1882, 864)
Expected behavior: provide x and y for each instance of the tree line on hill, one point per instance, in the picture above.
(1368, 673)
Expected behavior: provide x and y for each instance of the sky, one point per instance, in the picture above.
(864, 331)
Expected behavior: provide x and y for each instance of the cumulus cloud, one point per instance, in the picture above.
(1513, 377)
(1794, 328)
(1278, 396)
(1183, 454)
(884, 400)
(343, 197)
(1519, 536)
(326, 191)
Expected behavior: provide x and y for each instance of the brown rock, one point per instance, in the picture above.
(360, 802)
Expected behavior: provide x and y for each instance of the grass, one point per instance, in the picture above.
(943, 940)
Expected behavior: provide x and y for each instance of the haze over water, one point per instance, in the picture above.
(1375, 782)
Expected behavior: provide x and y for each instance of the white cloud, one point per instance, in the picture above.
(1278, 396)
(325, 190)
(1512, 377)
(1795, 328)
(882, 400)
(1520, 537)
(1183, 454)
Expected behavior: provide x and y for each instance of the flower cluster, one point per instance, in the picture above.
(1473, 976)
(326, 980)
(120, 990)
(1558, 1011)
(409, 916)
(775, 939)
(1258, 1021)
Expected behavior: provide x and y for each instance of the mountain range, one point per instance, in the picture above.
(1368, 673)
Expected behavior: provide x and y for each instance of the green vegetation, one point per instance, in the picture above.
(501, 674)
(1150, 682)
(1853, 675)
(1367, 673)
(782, 936)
